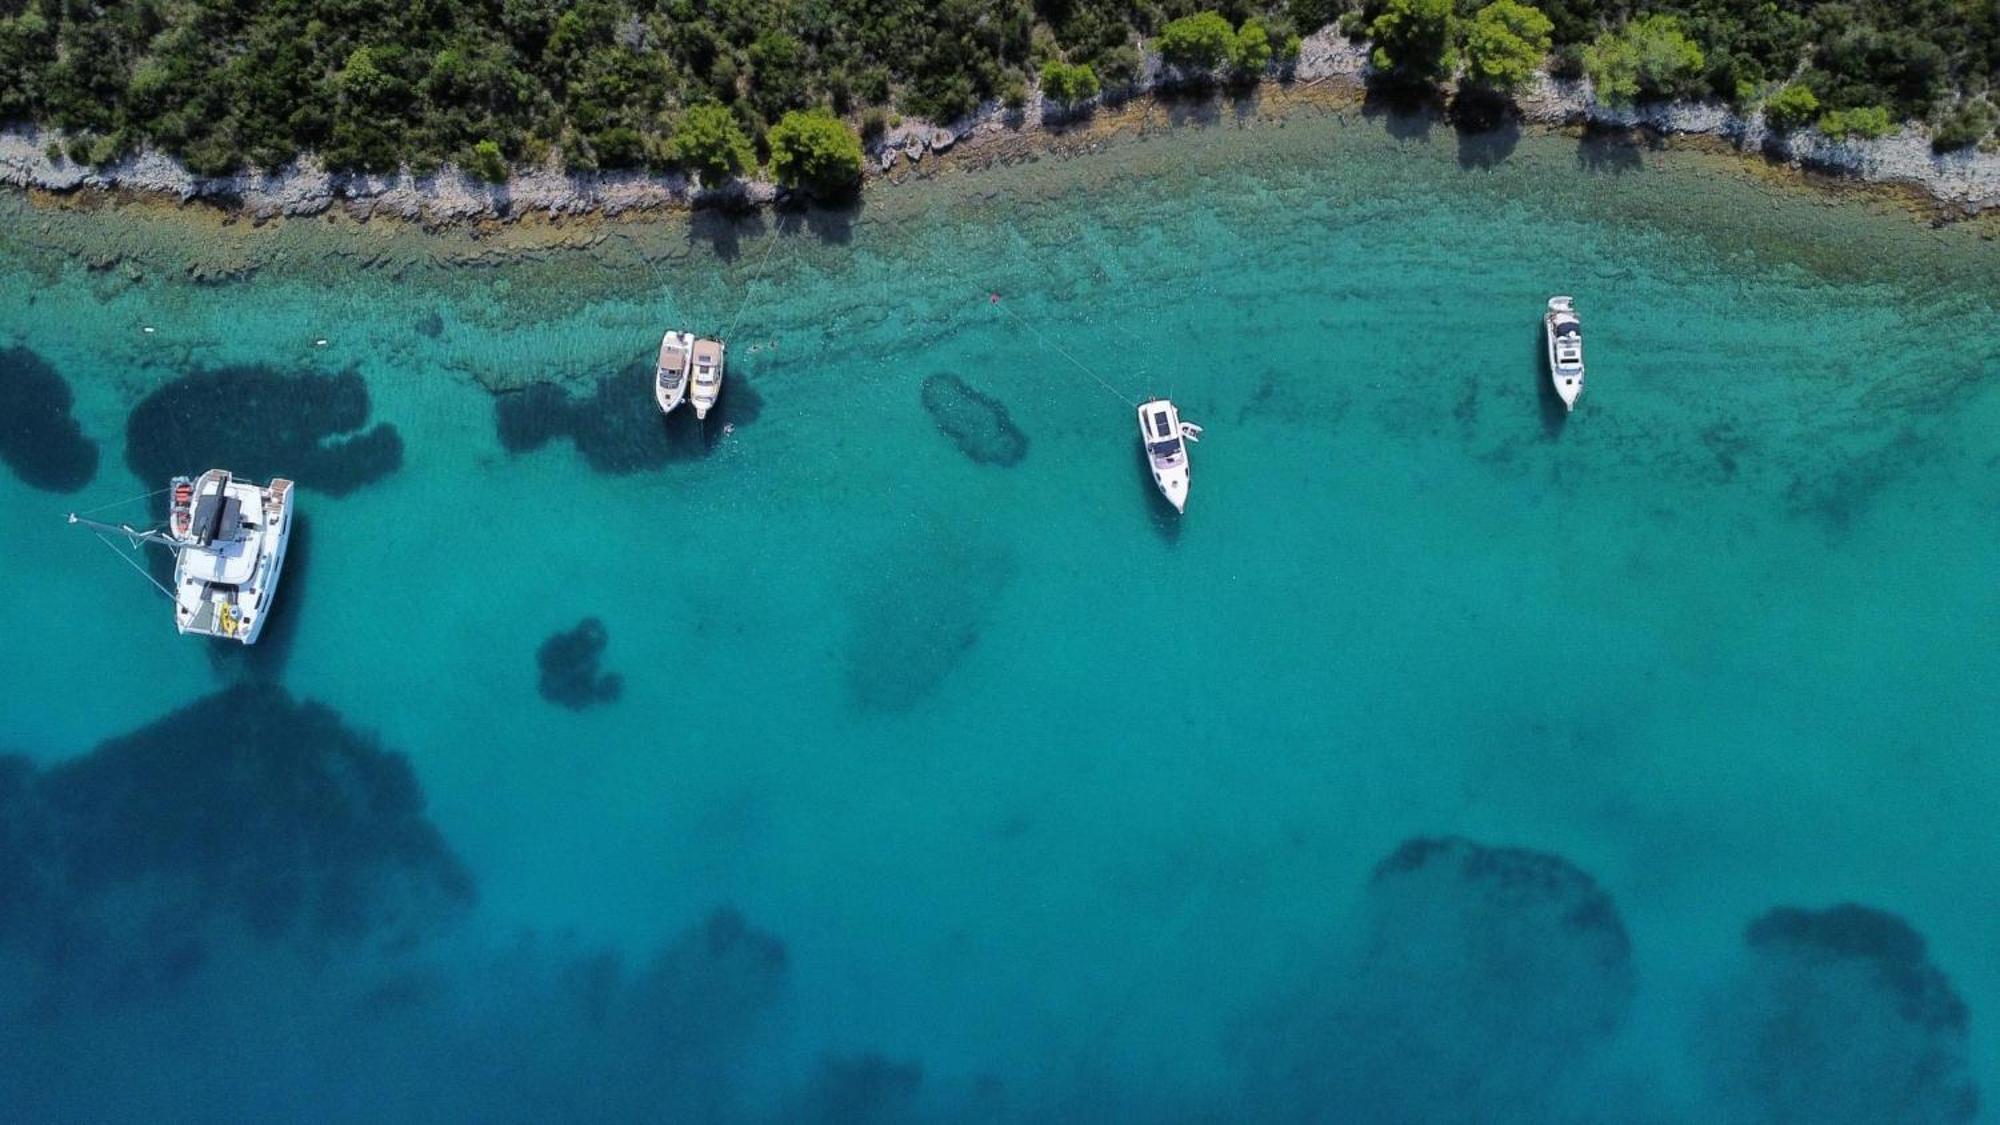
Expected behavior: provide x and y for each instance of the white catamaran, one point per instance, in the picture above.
(1565, 335)
(707, 383)
(1165, 438)
(670, 381)
(228, 537)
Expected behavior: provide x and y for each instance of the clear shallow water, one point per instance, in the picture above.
(1074, 807)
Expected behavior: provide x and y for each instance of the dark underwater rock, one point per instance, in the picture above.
(977, 423)
(1840, 1017)
(1485, 986)
(568, 662)
(618, 428)
(244, 817)
(39, 439)
(259, 422)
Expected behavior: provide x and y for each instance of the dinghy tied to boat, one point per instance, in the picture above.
(229, 549)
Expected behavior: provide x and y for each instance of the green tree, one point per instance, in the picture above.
(708, 141)
(813, 149)
(1413, 39)
(1966, 125)
(1250, 51)
(1197, 42)
(1868, 122)
(1505, 42)
(1651, 58)
(1791, 107)
(487, 163)
(1068, 83)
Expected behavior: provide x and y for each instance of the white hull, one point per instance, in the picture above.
(227, 569)
(1563, 334)
(670, 375)
(1164, 441)
(705, 384)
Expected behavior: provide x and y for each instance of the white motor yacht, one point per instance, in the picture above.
(228, 537)
(1165, 438)
(1565, 335)
(707, 382)
(670, 379)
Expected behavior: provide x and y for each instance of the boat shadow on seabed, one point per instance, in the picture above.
(1554, 417)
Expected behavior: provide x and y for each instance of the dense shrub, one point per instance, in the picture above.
(487, 163)
(1068, 83)
(1197, 42)
(1866, 122)
(1650, 58)
(815, 150)
(1791, 107)
(1505, 42)
(1414, 40)
(1966, 125)
(708, 142)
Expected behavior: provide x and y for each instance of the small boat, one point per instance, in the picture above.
(180, 513)
(708, 365)
(1565, 335)
(1165, 438)
(670, 379)
(228, 555)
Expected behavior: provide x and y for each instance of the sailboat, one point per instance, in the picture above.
(1165, 438)
(1565, 338)
(670, 380)
(707, 382)
(228, 537)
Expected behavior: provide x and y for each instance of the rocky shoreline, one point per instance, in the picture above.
(1965, 181)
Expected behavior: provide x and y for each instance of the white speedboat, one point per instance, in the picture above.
(1565, 334)
(670, 379)
(228, 552)
(1165, 438)
(707, 382)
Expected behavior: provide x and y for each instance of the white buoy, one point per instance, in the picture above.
(319, 343)
(148, 330)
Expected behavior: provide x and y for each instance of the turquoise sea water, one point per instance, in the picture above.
(1032, 802)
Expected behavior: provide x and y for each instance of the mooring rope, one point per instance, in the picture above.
(113, 547)
(117, 503)
(750, 287)
(994, 299)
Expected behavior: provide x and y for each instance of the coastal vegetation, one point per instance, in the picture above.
(368, 85)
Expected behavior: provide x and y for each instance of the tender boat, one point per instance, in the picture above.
(229, 552)
(180, 512)
(1165, 438)
(707, 382)
(1565, 335)
(670, 380)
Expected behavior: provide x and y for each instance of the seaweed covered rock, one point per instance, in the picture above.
(978, 424)
(1839, 1016)
(260, 422)
(39, 439)
(1485, 983)
(569, 667)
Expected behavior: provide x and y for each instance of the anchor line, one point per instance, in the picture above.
(113, 548)
(750, 287)
(1062, 351)
(117, 503)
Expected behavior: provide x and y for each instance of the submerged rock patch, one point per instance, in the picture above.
(39, 439)
(977, 423)
(618, 428)
(261, 423)
(1840, 1016)
(1485, 982)
(916, 619)
(569, 663)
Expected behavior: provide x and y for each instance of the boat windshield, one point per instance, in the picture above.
(1165, 449)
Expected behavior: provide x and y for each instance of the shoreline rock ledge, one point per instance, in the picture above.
(1968, 180)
